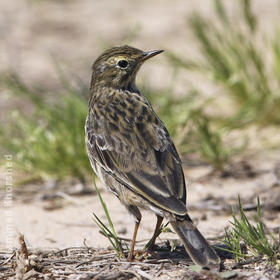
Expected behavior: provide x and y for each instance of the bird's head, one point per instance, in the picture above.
(117, 67)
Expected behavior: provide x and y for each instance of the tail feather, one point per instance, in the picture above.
(196, 246)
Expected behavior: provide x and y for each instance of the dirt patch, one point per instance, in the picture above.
(92, 263)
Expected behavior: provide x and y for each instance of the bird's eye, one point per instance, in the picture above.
(122, 63)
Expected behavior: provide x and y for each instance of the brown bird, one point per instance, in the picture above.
(132, 152)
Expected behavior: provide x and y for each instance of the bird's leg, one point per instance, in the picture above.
(131, 253)
(151, 243)
(136, 213)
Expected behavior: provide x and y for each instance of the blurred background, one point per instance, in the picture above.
(216, 87)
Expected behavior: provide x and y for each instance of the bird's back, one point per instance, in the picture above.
(129, 141)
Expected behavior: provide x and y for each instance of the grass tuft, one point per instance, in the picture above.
(110, 231)
(50, 140)
(254, 237)
(235, 58)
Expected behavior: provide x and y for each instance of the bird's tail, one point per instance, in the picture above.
(196, 246)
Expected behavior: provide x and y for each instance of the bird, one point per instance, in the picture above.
(132, 153)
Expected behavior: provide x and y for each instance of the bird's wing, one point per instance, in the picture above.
(128, 141)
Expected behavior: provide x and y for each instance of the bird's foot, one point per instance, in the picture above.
(140, 255)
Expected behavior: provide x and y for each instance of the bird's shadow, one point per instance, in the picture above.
(179, 253)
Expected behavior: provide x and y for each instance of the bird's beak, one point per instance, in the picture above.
(147, 55)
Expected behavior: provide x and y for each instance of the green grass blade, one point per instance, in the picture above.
(105, 231)
(105, 210)
(109, 233)
(254, 237)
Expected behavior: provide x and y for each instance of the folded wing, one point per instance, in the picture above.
(138, 152)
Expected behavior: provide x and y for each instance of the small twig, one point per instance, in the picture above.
(101, 271)
(133, 273)
(85, 243)
(9, 275)
(24, 252)
(240, 264)
(144, 274)
(23, 247)
(91, 261)
(7, 260)
(67, 249)
(137, 263)
(160, 270)
(58, 262)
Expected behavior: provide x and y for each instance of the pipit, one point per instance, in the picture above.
(131, 151)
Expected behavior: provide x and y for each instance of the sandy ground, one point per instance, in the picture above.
(66, 220)
(51, 219)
